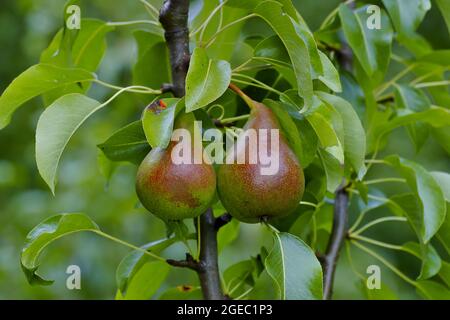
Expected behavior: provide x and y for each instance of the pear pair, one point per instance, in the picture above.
(180, 191)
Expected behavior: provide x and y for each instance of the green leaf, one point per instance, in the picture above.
(415, 100)
(157, 57)
(127, 144)
(288, 127)
(333, 169)
(354, 134)
(371, 47)
(294, 268)
(83, 49)
(443, 180)
(444, 6)
(444, 273)
(134, 261)
(272, 12)
(330, 75)
(45, 233)
(242, 275)
(429, 194)
(432, 290)
(146, 281)
(227, 234)
(435, 116)
(406, 17)
(35, 81)
(431, 262)
(328, 137)
(55, 127)
(444, 232)
(158, 122)
(384, 293)
(206, 81)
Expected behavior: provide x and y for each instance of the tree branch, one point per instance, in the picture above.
(209, 268)
(174, 19)
(338, 235)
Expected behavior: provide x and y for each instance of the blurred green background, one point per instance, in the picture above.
(26, 28)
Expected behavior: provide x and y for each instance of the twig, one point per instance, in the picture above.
(338, 235)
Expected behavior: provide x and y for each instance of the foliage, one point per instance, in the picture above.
(340, 122)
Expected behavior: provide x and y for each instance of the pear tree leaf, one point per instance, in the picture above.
(206, 81)
(55, 127)
(45, 233)
(158, 119)
(294, 268)
(35, 81)
(127, 144)
(429, 195)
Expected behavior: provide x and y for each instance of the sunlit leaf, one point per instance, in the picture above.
(294, 268)
(55, 127)
(206, 80)
(45, 233)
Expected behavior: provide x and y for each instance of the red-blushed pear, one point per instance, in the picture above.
(248, 194)
(171, 190)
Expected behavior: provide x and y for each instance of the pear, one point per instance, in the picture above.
(245, 192)
(174, 191)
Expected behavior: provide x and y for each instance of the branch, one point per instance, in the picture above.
(174, 19)
(209, 267)
(338, 235)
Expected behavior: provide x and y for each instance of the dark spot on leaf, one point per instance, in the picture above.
(157, 106)
(185, 288)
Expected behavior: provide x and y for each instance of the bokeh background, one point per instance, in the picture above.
(26, 28)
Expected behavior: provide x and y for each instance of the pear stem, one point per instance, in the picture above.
(240, 93)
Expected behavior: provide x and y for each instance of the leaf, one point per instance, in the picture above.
(371, 47)
(333, 169)
(415, 100)
(156, 56)
(443, 180)
(444, 232)
(294, 268)
(432, 290)
(429, 194)
(272, 12)
(158, 122)
(406, 17)
(55, 127)
(444, 6)
(288, 127)
(134, 261)
(435, 116)
(35, 81)
(146, 281)
(127, 144)
(431, 262)
(45, 233)
(227, 234)
(444, 273)
(206, 80)
(327, 135)
(330, 75)
(83, 49)
(354, 134)
(384, 293)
